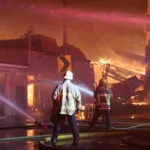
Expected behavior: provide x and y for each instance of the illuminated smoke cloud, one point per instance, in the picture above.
(79, 14)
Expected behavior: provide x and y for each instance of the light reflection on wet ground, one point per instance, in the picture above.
(114, 140)
(20, 145)
(21, 132)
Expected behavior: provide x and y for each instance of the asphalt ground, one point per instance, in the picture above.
(124, 135)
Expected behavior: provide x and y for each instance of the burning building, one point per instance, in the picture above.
(29, 71)
(124, 78)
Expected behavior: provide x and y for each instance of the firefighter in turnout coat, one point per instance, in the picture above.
(103, 96)
(67, 101)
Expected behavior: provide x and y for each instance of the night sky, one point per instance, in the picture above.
(96, 37)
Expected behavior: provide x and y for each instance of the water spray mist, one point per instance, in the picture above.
(15, 107)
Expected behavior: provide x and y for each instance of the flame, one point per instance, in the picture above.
(126, 68)
(30, 95)
(101, 62)
(132, 117)
(140, 103)
(104, 61)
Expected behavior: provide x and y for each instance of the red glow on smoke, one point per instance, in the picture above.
(99, 16)
(61, 13)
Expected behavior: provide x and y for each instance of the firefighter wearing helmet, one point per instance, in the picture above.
(67, 101)
(103, 96)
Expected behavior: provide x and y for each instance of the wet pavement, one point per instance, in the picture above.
(29, 138)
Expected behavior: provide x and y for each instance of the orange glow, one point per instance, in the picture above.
(30, 132)
(83, 107)
(103, 61)
(30, 91)
(123, 67)
(30, 94)
(31, 78)
(81, 116)
(140, 103)
(132, 117)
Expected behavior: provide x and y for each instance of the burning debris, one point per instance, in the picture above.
(125, 82)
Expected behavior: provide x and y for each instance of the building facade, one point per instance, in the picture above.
(29, 73)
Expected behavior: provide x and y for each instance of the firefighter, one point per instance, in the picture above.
(103, 96)
(67, 101)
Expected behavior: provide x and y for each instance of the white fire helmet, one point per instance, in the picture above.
(68, 75)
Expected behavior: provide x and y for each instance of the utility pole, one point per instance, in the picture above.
(147, 57)
(64, 60)
(64, 26)
(29, 33)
